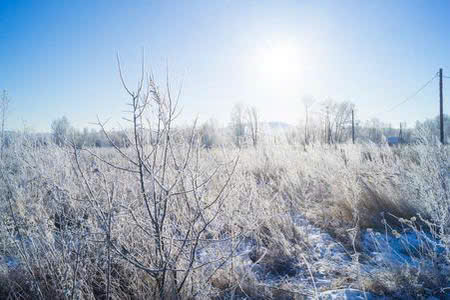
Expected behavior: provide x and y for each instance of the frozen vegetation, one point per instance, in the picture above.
(165, 217)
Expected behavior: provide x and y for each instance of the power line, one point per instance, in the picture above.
(411, 96)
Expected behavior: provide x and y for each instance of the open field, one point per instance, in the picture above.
(158, 211)
(224, 150)
(273, 222)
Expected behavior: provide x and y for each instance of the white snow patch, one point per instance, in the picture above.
(348, 294)
(400, 249)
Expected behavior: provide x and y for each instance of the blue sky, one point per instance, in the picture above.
(58, 57)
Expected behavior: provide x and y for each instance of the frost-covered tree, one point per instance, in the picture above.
(432, 127)
(308, 101)
(60, 129)
(238, 124)
(253, 124)
(208, 134)
(336, 118)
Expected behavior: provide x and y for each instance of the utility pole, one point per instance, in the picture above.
(401, 134)
(353, 126)
(441, 111)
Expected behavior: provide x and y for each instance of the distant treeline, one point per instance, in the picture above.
(247, 132)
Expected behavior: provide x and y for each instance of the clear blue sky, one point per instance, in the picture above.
(58, 57)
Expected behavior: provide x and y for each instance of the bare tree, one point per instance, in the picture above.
(308, 101)
(342, 120)
(238, 124)
(327, 109)
(60, 130)
(374, 130)
(208, 134)
(336, 120)
(432, 127)
(253, 124)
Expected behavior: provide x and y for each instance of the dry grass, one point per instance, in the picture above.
(54, 232)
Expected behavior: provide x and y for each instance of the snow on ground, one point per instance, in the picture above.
(352, 294)
(326, 259)
(400, 248)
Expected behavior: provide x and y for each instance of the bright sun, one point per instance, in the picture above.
(278, 61)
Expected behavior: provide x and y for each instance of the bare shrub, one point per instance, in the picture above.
(171, 202)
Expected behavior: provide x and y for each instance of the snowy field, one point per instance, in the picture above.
(273, 222)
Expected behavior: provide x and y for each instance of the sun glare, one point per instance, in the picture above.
(278, 61)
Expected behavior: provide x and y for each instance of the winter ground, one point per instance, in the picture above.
(347, 222)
